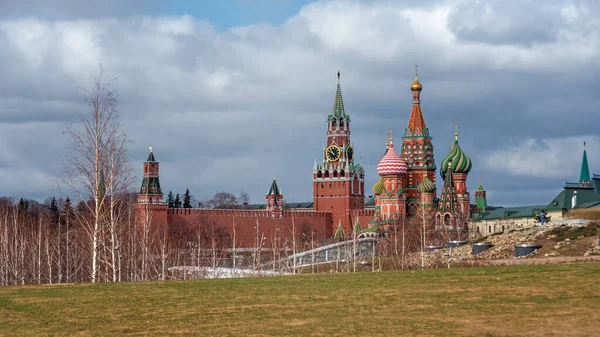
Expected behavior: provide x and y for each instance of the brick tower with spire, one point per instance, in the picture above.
(150, 192)
(480, 199)
(417, 150)
(338, 182)
(274, 200)
(150, 208)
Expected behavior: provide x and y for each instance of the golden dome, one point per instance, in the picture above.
(416, 86)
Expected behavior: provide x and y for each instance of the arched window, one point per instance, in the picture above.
(447, 219)
(319, 175)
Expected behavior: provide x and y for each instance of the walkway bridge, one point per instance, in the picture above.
(360, 250)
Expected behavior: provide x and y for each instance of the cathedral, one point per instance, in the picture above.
(405, 193)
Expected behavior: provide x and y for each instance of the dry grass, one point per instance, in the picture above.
(548, 300)
(584, 213)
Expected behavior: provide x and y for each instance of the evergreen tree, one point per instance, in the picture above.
(54, 211)
(187, 199)
(170, 200)
(67, 212)
(177, 201)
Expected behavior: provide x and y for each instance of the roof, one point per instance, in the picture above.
(585, 170)
(151, 156)
(584, 195)
(274, 190)
(510, 213)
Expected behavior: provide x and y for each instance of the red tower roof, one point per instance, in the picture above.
(391, 163)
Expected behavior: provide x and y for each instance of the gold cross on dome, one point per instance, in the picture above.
(416, 70)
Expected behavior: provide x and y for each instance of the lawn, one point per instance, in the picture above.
(542, 300)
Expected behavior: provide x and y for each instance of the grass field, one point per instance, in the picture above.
(545, 300)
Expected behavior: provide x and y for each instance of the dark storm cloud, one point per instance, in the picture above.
(227, 111)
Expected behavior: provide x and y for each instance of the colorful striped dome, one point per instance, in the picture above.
(426, 186)
(378, 187)
(460, 162)
(391, 163)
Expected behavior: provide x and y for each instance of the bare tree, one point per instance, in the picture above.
(94, 141)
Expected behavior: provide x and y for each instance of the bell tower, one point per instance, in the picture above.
(338, 182)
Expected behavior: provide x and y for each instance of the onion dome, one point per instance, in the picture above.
(460, 162)
(416, 86)
(378, 187)
(426, 186)
(391, 163)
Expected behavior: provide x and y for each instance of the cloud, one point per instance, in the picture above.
(544, 158)
(230, 109)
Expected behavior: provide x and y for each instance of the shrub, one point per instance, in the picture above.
(564, 232)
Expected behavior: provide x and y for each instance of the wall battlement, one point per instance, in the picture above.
(363, 212)
(246, 213)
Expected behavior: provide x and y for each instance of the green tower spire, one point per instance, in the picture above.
(274, 190)
(585, 170)
(338, 104)
(339, 234)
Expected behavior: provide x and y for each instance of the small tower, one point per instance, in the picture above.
(417, 149)
(448, 211)
(392, 200)
(461, 166)
(584, 176)
(150, 192)
(480, 200)
(274, 201)
(339, 235)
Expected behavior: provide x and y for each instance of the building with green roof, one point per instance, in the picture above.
(575, 195)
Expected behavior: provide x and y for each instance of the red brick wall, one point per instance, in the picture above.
(187, 222)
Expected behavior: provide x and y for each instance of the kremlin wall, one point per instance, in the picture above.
(405, 194)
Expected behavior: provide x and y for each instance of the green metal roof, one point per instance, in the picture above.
(274, 190)
(584, 195)
(585, 170)
(151, 157)
(509, 213)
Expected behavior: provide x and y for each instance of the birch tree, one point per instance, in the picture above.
(91, 148)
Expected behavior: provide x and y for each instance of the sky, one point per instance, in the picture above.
(233, 93)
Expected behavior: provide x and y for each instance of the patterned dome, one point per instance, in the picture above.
(426, 186)
(378, 187)
(460, 162)
(391, 163)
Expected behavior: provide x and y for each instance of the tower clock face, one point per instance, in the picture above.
(350, 153)
(333, 153)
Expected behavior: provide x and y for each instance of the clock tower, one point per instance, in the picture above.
(338, 182)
